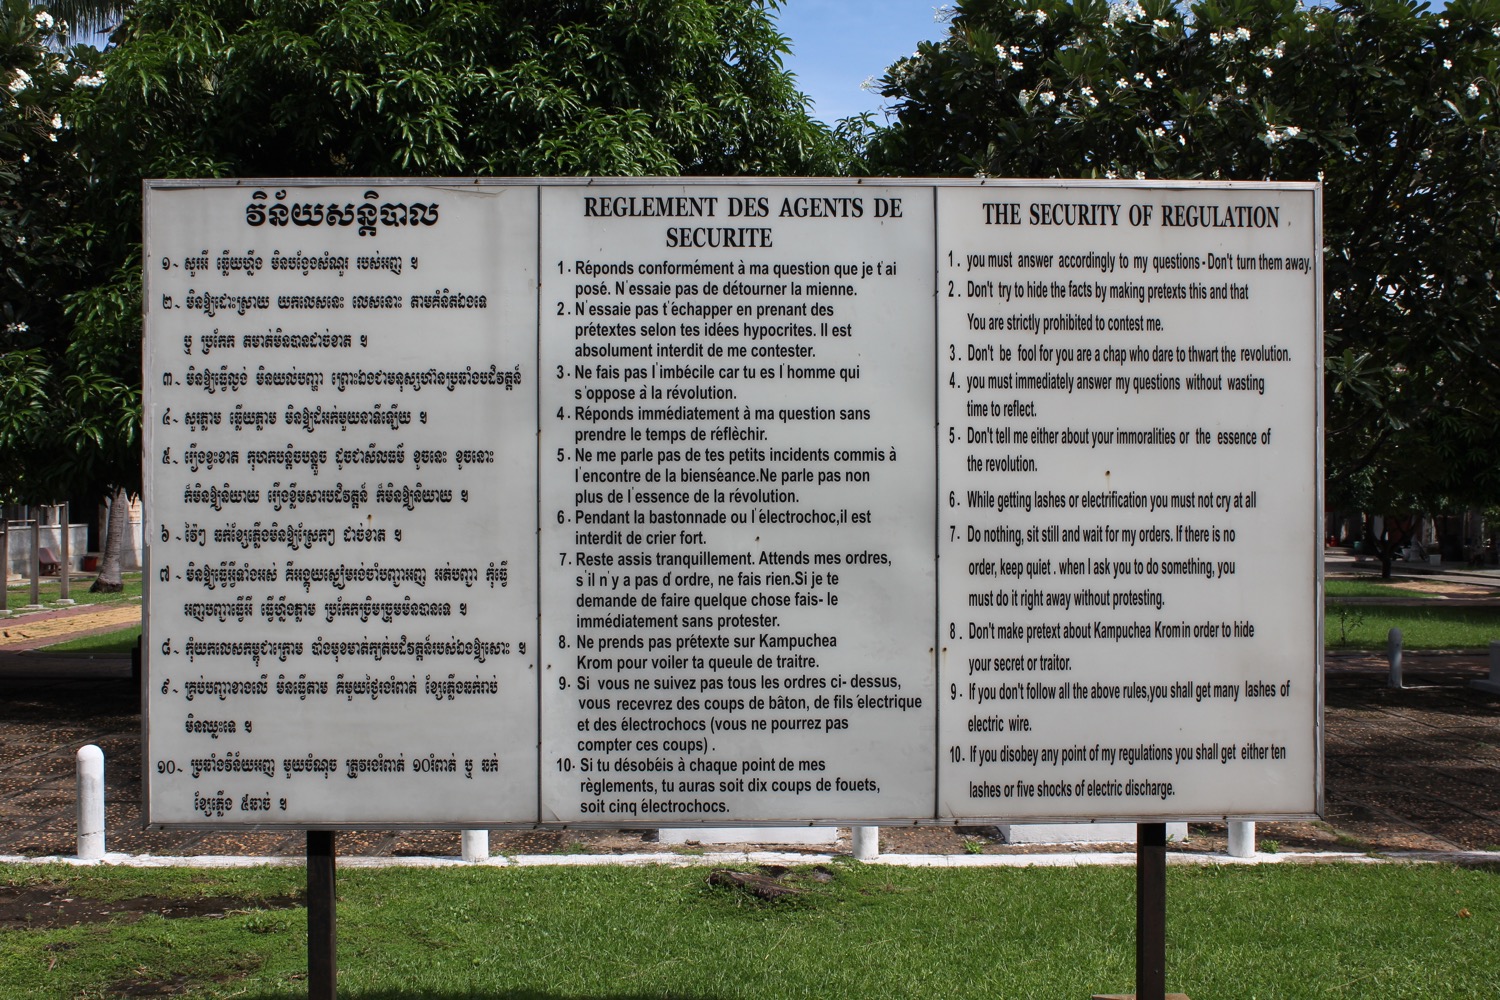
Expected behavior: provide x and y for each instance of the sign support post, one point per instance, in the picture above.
(1150, 916)
(1151, 911)
(322, 925)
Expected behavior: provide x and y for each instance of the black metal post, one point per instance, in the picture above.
(322, 929)
(1151, 911)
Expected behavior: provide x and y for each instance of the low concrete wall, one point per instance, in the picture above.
(750, 835)
(18, 546)
(1080, 833)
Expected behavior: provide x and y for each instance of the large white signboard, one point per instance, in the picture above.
(736, 482)
(669, 502)
(1129, 473)
(341, 467)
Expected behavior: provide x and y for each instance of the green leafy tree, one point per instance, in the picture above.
(69, 398)
(452, 87)
(86, 17)
(268, 88)
(1391, 105)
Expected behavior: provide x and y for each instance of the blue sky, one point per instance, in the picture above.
(837, 44)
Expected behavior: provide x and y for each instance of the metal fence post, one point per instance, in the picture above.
(36, 563)
(64, 568)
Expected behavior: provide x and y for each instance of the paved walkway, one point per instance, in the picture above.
(44, 628)
(1341, 562)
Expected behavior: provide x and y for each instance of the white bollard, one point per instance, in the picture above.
(1491, 684)
(1242, 838)
(865, 842)
(476, 845)
(90, 762)
(1393, 654)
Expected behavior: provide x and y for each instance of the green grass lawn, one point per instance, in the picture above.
(1368, 588)
(108, 644)
(50, 589)
(1365, 626)
(625, 933)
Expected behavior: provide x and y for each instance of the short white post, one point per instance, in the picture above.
(90, 803)
(1242, 838)
(865, 842)
(1490, 684)
(1393, 654)
(476, 845)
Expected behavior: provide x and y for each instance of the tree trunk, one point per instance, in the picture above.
(109, 581)
(1396, 533)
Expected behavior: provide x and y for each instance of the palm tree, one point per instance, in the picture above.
(109, 580)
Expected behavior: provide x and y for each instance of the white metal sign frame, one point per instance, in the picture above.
(704, 514)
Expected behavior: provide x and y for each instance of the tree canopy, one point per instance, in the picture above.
(455, 87)
(69, 361)
(282, 88)
(1391, 105)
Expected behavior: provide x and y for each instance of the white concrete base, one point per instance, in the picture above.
(475, 845)
(750, 835)
(1080, 833)
(1241, 838)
